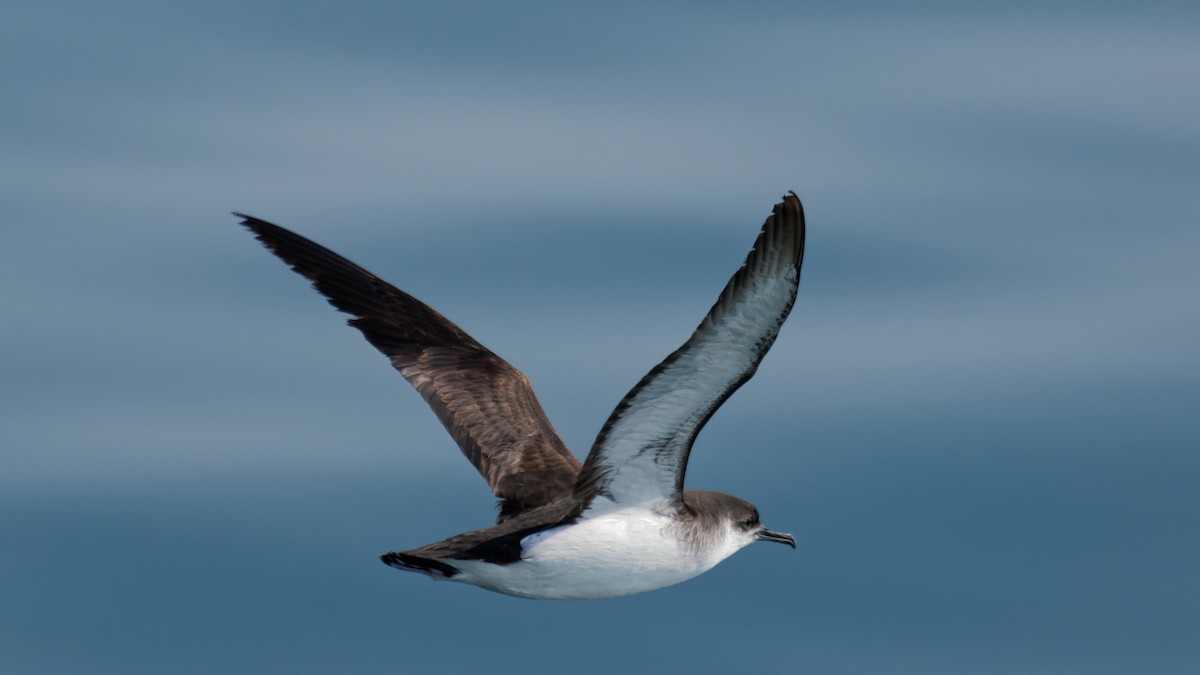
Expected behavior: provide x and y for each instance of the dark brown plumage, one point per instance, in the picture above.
(487, 405)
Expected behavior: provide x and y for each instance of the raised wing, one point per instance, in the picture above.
(642, 451)
(487, 405)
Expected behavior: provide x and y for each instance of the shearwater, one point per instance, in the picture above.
(621, 522)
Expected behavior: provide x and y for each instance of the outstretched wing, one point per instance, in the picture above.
(642, 451)
(487, 405)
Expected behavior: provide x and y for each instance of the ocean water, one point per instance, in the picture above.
(980, 421)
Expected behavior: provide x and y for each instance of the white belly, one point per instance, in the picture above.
(609, 554)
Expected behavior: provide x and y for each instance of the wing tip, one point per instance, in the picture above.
(791, 210)
(255, 225)
(791, 205)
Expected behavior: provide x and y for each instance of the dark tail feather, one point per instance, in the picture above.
(412, 563)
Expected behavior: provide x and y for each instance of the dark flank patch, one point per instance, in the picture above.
(505, 549)
(499, 545)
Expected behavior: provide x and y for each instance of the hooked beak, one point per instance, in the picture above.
(783, 538)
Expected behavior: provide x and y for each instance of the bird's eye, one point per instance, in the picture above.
(750, 522)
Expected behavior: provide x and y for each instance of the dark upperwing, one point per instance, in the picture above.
(487, 405)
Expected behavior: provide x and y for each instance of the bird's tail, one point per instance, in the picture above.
(435, 569)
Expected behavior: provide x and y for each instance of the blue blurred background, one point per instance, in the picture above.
(980, 422)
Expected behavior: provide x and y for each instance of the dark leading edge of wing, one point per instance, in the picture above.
(642, 451)
(486, 404)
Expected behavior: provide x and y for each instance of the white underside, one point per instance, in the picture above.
(609, 552)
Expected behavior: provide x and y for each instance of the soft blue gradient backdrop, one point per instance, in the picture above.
(980, 423)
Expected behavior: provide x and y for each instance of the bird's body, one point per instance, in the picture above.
(608, 551)
(641, 551)
(621, 522)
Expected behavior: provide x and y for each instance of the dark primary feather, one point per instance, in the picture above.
(642, 450)
(487, 405)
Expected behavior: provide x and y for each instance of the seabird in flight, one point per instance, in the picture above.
(621, 522)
